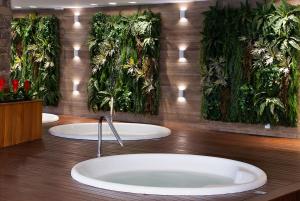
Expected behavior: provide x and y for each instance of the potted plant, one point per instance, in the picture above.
(15, 92)
(27, 87)
(2, 84)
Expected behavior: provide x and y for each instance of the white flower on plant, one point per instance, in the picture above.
(285, 71)
(279, 56)
(243, 38)
(94, 71)
(268, 60)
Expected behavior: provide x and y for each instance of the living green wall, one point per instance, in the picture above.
(124, 57)
(35, 52)
(250, 63)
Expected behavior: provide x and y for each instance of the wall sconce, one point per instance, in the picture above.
(75, 87)
(181, 94)
(182, 14)
(76, 52)
(76, 19)
(182, 54)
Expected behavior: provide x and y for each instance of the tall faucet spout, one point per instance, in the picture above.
(113, 129)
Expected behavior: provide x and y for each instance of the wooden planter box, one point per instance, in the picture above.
(20, 122)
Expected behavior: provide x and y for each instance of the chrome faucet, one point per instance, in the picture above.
(113, 129)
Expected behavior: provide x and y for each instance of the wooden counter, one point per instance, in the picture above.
(20, 122)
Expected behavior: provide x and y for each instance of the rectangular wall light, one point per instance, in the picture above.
(75, 87)
(181, 94)
(182, 55)
(76, 18)
(76, 53)
(182, 13)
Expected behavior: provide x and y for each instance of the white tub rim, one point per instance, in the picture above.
(55, 118)
(165, 132)
(175, 191)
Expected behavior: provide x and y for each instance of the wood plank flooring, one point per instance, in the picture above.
(40, 170)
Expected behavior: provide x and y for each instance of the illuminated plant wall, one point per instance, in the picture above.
(35, 52)
(250, 64)
(124, 57)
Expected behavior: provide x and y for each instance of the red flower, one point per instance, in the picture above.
(2, 83)
(15, 84)
(27, 85)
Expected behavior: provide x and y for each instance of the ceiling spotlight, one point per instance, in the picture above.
(17, 7)
(112, 3)
(32, 7)
(94, 4)
(132, 2)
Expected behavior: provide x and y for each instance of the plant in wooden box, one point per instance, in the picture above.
(15, 92)
(15, 88)
(2, 83)
(27, 87)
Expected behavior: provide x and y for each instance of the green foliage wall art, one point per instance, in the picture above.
(250, 64)
(35, 52)
(124, 57)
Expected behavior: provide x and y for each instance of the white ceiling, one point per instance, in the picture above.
(60, 4)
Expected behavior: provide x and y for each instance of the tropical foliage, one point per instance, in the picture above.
(35, 53)
(124, 54)
(260, 48)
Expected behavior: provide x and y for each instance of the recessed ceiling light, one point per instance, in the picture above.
(32, 7)
(112, 3)
(132, 2)
(17, 7)
(94, 4)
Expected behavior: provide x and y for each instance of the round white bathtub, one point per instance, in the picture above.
(169, 174)
(49, 118)
(127, 131)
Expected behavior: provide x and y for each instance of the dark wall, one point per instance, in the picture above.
(5, 20)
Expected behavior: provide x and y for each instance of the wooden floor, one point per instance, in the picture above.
(40, 170)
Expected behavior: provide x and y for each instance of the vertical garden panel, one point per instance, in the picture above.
(250, 64)
(35, 52)
(124, 54)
